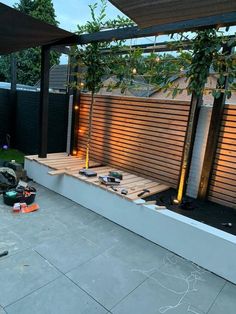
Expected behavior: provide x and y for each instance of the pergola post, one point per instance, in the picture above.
(13, 99)
(188, 145)
(74, 99)
(213, 135)
(44, 100)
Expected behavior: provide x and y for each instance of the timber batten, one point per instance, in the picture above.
(142, 135)
(223, 182)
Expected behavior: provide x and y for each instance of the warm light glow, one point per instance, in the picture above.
(175, 201)
(158, 59)
(82, 84)
(76, 107)
(134, 71)
(74, 152)
(81, 131)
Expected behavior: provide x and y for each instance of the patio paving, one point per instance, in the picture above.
(65, 259)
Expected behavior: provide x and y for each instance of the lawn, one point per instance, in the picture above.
(12, 154)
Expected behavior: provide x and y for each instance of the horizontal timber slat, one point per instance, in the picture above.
(157, 143)
(138, 130)
(168, 122)
(180, 115)
(151, 155)
(132, 100)
(142, 135)
(153, 163)
(223, 182)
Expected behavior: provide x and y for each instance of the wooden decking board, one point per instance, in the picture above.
(62, 164)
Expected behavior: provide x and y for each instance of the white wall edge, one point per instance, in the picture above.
(210, 248)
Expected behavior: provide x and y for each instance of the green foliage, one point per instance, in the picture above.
(160, 71)
(44, 11)
(207, 55)
(29, 61)
(26, 6)
(97, 64)
(5, 68)
(205, 46)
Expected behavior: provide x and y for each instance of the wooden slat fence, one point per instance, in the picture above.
(144, 136)
(223, 181)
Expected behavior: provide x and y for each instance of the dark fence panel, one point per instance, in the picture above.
(5, 115)
(27, 125)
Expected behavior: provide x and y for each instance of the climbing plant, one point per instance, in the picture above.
(207, 55)
(128, 64)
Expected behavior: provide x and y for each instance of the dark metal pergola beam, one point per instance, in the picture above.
(165, 46)
(155, 47)
(44, 100)
(226, 19)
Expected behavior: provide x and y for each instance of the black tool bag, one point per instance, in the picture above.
(8, 178)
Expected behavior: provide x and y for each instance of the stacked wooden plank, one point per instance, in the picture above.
(62, 164)
(141, 135)
(223, 183)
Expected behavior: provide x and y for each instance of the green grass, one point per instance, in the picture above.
(12, 154)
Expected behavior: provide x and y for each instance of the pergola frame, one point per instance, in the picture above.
(193, 25)
(226, 19)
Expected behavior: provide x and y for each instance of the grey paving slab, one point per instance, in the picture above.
(53, 202)
(68, 251)
(77, 217)
(11, 242)
(121, 270)
(198, 286)
(21, 274)
(106, 278)
(102, 232)
(225, 301)
(8, 218)
(37, 228)
(152, 298)
(58, 297)
(2, 310)
(139, 253)
(50, 201)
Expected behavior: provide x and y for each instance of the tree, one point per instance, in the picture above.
(44, 11)
(29, 60)
(26, 6)
(91, 57)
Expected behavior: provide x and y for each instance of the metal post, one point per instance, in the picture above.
(13, 73)
(44, 100)
(75, 94)
(13, 101)
(213, 135)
